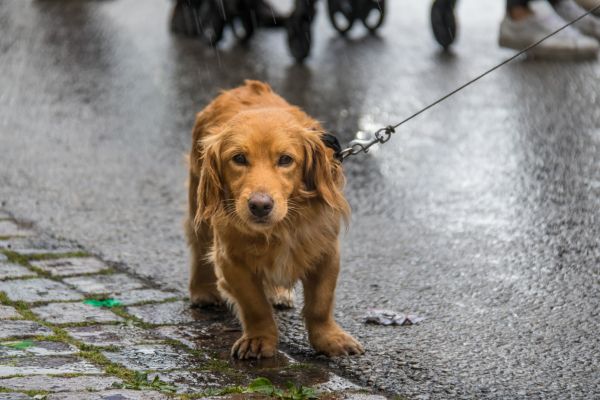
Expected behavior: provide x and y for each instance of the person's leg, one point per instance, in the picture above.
(525, 24)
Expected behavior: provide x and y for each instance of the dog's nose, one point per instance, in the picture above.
(260, 204)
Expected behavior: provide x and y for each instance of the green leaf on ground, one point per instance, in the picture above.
(22, 345)
(108, 303)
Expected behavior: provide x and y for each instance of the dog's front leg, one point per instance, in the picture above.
(324, 333)
(244, 288)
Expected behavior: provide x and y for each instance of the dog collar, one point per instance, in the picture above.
(332, 142)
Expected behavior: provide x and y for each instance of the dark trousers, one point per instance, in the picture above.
(516, 3)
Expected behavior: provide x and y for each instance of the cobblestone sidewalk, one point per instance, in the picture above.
(73, 327)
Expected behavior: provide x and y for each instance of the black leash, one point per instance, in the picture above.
(384, 134)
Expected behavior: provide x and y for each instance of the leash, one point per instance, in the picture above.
(382, 135)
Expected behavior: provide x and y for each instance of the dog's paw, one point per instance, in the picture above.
(281, 298)
(254, 347)
(336, 343)
(206, 297)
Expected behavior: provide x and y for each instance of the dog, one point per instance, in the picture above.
(265, 210)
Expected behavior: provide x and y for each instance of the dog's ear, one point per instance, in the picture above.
(323, 176)
(210, 188)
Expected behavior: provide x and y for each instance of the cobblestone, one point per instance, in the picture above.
(39, 348)
(10, 228)
(60, 384)
(112, 335)
(147, 357)
(55, 365)
(14, 396)
(7, 312)
(177, 312)
(36, 290)
(142, 296)
(64, 313)
(105, 284)
(109, 395)
(190, 381)
(10, 270)
(22, 329)
(71, 266)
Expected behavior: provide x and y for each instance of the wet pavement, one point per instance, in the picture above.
(481, 216)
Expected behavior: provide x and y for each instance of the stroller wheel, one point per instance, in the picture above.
(299, 37)
(443, 22)
(372, 14)
(244, 23)
(210, 21)
(341, 14)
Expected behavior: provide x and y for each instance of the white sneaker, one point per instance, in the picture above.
(590, 4)
(569, 10)
(567, 44)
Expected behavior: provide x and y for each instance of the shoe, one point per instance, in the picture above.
(590, 4)
(568, 44)
(570, 10)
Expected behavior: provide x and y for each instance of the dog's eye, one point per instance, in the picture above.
(285, 160)
(240, 159)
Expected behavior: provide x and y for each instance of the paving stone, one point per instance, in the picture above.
(105, 284)
(38, 244)
(59, 384)
(64, 313)
(156, 357)
(112, 335)
(47, 365)
(143, 295)
(10, 228)
(192, 381)
(23, 348)
(177, 312)
(71, 266)
(14, 396)
(32, 290)
(117, 394)
(22, 329)
(7, 312)
(10, 270)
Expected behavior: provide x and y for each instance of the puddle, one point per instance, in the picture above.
(215, 330)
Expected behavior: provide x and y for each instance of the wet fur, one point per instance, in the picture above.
(253, 266)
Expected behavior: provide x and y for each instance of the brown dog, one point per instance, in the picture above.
(265, 204)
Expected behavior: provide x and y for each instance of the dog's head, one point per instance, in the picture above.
(263, 165)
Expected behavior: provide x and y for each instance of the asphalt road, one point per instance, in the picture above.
(482, 215)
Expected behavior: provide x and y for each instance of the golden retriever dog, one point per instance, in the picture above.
(265, 208)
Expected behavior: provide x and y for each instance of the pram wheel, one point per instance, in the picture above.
(372, 14)
(341, 14)
(443, 22)
(209, 20)
(299, 37)
(244, 22)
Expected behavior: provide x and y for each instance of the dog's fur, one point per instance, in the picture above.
(250, 263)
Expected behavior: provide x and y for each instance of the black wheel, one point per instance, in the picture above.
(299, 37)
(244, 22)
(183, 18)
(372, 14)
(341, 14)
(443, 22)
(210, 21)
